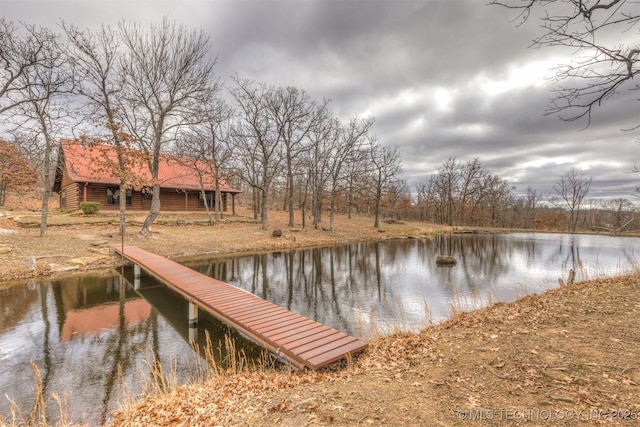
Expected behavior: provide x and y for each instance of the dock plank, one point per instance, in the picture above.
(303, 342)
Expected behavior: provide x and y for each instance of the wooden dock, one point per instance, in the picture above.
(301, 341)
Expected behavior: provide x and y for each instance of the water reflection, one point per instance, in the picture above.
(91, 335)
(367, 288)
(92, 339)
(67, 330)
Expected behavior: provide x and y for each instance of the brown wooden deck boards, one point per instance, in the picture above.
(302, 341)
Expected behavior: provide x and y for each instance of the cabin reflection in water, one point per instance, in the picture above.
(92, 337)
(88, 310)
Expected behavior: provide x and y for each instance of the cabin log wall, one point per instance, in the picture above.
(170, 199)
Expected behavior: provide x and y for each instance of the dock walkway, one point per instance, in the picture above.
(301, 341)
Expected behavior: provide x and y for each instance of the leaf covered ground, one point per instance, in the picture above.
(567, 357)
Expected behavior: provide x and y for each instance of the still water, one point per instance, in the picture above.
(91, 337)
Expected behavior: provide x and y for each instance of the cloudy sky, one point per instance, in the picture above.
(444, 78)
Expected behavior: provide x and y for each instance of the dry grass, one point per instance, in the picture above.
(38, 415)
(571, 352)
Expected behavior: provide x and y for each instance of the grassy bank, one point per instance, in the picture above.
(80, 242)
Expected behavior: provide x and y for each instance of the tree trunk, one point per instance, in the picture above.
(349, 201)
(122, 207)
(256, 203)
(377, 213)
(46, 175)
(290, 192)
(332, 213)
(265, 223)
(206, 204)
(44, 210)
(3, 192)
(153, 212)
(217, 200)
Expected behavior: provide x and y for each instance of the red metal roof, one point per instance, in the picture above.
(95, 163)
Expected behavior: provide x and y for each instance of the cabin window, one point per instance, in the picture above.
(113, 196)
(63, 198)
(210, 200)
(147, 193)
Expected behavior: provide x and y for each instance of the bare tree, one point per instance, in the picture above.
(386, 165)
(572, 188)
(621, 214)
(447, 185)
(168, 79)
(40, 110)
(324, 136)
(293, 114)
(96, 59)
(397, 198)
(497, 196)
(533, 199)
(20, 51)
(207, 149)
(355, 175)
(353, 141)
(600, 34)
(425, 200)
(259, 140)
(472, 185)
(466, 194)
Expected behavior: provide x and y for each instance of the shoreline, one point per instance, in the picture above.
(77, 243)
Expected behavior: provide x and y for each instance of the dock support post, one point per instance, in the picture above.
(193, 321)
(136, 276)
(193, 334)
(193, 314)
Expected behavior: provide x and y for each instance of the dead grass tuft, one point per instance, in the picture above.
(570, 350)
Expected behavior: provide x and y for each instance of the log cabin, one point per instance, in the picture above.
(90, 173)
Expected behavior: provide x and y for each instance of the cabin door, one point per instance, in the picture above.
(146, 200)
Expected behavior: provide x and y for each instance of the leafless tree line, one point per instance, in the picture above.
(464, 194)
(154, 88)
(468, 194)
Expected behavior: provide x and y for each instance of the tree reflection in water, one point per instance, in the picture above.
(366, 288)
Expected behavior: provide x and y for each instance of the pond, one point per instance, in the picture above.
(92, 337)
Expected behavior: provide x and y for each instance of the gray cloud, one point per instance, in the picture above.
(444, 78)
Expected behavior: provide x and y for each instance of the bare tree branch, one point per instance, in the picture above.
(606, 55)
